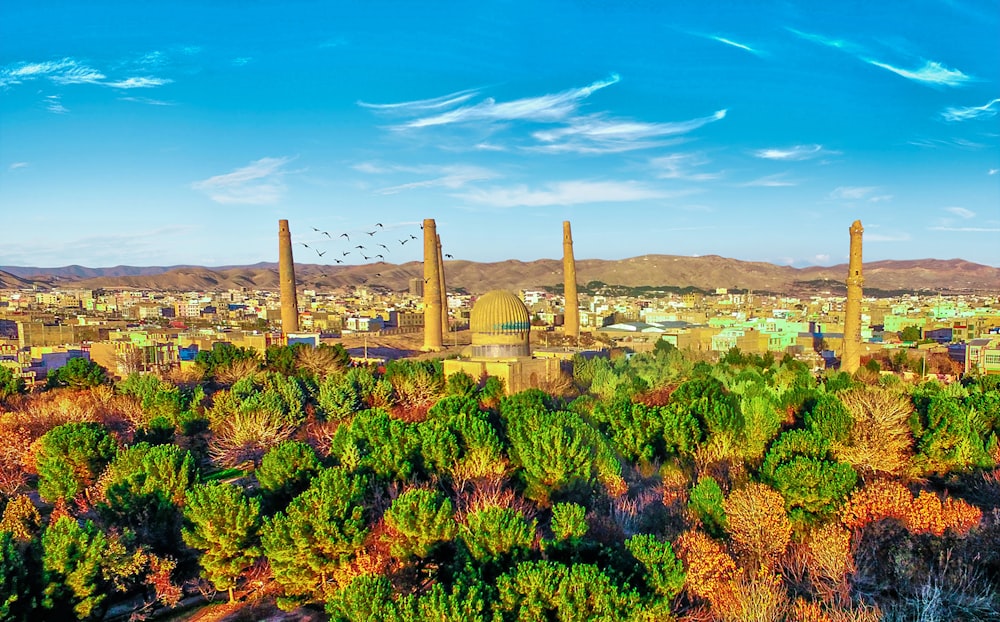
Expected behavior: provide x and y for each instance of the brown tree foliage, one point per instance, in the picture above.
(758, 524)
(927, 513)
(880, 440)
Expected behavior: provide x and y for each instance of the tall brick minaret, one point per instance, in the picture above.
(571, 323)
(432, 289)
(850, 360)
(286, 279)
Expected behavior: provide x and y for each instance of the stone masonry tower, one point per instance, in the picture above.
(432, 289)
(445, 328)
(286, 277)
(850, 360)
(571, 323)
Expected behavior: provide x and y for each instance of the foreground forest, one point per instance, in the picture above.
(650, 487)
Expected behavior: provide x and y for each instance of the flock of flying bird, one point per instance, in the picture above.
(360, 248)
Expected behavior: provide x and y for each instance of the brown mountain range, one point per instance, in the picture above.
(706, 273)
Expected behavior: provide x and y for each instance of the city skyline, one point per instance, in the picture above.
(146, 135)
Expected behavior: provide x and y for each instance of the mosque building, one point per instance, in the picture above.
(501, 345)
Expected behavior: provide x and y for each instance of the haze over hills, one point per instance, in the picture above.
(705, 272)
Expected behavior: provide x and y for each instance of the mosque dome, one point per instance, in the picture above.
(500, 325)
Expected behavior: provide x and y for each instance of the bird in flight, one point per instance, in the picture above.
(327, 234)
(384, 246)
(380, 256)
(413, 237)
(359, 246)
(448, 256)
(345, 253)
(315, 229)
(378, 274)
(339, 260)
(401, 242)
(365, 256)
(303, 244)
(379, 225)
(344, 235)
(371, 232)
(321, 254)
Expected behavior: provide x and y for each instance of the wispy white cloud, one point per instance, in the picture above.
(839, 44)
(961, 212)
(152, 59)
(259, 183)
(553, 107)
(966, 229)
(970, 113)
(16, 165)
(240, 61)
(961, 143)
(681, 166)
(53, 103)
(852, 193)
(993, 171)
(147, 100)
(62, 71)
(735, 44)
(422, 105)
(796, 152)
(453, 176)
(69, 71)
(80, 74)
(778, 180)
(143, 82)
(932, 73)
(564, 193)
(596, 134)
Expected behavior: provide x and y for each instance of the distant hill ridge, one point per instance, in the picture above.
(706, 272)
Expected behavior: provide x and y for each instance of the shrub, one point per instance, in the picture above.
(569, 521)
(664, 573)
(762, 422)
(952, 437)
(9, 384)
(286, 469)
(461, 384)
(926, 513)
(374, 441)
(550, 591)
(879, 440)
(70, 457)
(758, 524)
(706, 503)
(21, 519)
(224, 526)
(709, 567)
(77, 373)
(494, 531)
(72, 557)
(143, 489)
(323, 360)
(18, 599)
(247, 436)
(798, 467)
(829, 417)
(316, 535)
(421, 520)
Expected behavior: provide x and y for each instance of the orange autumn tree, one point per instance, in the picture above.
(925, 513)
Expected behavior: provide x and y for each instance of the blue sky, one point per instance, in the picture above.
(167, 133)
